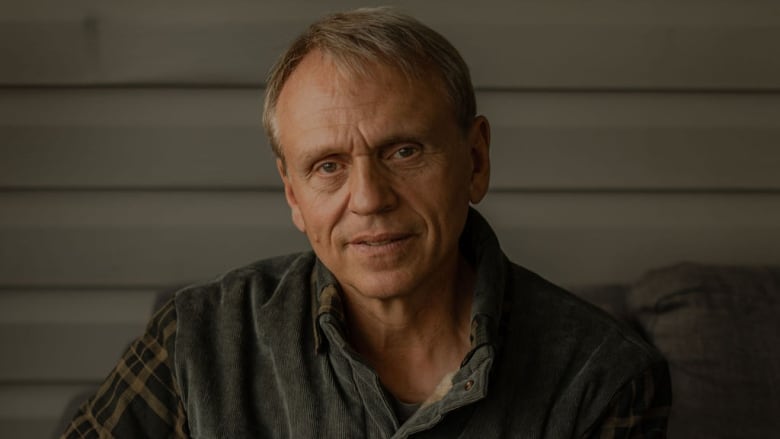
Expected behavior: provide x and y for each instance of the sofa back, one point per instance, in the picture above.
(719, 329)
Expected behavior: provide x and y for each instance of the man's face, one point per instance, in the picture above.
(378, 175)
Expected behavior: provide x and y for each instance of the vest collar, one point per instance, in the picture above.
(479, 245)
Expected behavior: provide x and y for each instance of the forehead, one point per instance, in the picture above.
(321, 96)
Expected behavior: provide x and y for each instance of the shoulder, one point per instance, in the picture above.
(257, 283)
(575, 357)
(235, 316)
(567, 317)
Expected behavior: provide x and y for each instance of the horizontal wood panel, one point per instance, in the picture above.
(135, 256)
(26, 428)
(548, 141)
(165, 239)
(214, 107)
(131, 107)
(36, 400)
(63, 352)
(64, 307)
(651, 158)
(68, 336)
(136, 157)
(640, 44)
(35, 411)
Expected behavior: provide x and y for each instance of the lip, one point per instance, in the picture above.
(381, 246)
(378, 239)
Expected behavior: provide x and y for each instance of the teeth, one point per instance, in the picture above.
(377, 242)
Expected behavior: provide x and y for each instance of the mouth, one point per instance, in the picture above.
(379, 240)
(378, 243)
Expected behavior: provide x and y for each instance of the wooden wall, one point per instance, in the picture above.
(626, 135)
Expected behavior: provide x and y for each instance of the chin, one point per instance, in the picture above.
(383, 286)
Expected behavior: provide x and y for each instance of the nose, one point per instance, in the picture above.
(371, 192)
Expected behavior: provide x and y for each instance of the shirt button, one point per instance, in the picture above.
(469, 384)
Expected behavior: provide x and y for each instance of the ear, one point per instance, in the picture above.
(479, 140)
(289, 194)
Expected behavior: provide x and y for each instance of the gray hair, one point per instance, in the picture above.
(367, 36)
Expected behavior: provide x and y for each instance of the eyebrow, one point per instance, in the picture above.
(395, 140)
(316, 153)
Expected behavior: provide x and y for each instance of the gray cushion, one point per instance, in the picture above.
(719, 328)
(609, 297)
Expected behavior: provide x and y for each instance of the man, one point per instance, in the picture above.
(407, 319)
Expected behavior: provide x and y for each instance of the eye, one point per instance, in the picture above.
(328, 167)
(405, 152)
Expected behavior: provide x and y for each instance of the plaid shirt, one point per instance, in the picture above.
(141, 398)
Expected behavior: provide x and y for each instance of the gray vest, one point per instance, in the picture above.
(261, 352)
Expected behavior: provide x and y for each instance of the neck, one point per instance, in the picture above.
(414, 339)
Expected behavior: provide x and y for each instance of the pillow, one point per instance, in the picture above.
(719, 329)
(609, 297)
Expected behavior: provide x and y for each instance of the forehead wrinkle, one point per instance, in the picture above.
(341, 128)
(358, 131)
(339, 117)
(341, 142)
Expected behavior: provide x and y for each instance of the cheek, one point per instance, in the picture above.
(449, 191)
(321, 215)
